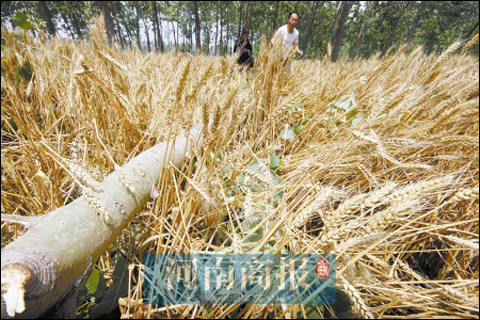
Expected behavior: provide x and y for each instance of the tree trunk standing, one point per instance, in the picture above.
(227, 31)
(178, 35)
(129, 34)
(240, 13)
(155, 27)
(48, 265)
(159, 27)
(76, 26)
(108, 20)
(121, 38)
(137, 25)
(310, 27)
(147, 34)
(42, 7)
(221, 28)
(198, 40)
(119, 33)
(356, 49)
(174, 34)
(245, 14)
(275, 18)
(216, 30)
(334, 22)
(206, 43)
(190, 28)
(411, 34)
(227, 36)
(391, 38)
(341, 24)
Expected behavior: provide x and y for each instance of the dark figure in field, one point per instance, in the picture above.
(245, 48)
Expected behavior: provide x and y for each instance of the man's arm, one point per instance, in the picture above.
(271, 41)
(297, 49)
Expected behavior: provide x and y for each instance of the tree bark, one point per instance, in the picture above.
(310, 27)
(341, 24)
(275, 18)
(45, 11)
(227, 28)
(48, 264)
(334, 22)
(198, 42)
(216, 30)
(395, 26)
(416, 21)
(108, 21)
(245, 14)
(146, 33)
(159, 34)
(356, 49)
(76, 26)
(137, 24)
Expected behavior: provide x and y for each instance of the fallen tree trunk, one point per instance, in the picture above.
(49, 264)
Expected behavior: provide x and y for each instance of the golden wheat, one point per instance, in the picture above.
(392, 192)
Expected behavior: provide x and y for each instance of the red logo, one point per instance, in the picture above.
(322, 268)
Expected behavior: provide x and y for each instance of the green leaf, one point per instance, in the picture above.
(18, 33)
(17, 75)
(254, 166)
(297, 128)
(352, 114)
(92, 282)
(275, 162)
(26, 70)
(21, 20)
(311, 312)
(119, 288)
(101, 288)
(240, 179)
(136, 230)
(256, 237)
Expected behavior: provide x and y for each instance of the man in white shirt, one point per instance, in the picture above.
(290, 35)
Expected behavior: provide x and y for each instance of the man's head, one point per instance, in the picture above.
(244, 33)
(293, 19)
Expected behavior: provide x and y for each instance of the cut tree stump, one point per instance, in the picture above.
(43, 270)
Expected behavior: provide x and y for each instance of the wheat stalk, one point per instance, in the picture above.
(356, 298)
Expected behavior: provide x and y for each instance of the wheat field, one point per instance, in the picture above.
(375, 160)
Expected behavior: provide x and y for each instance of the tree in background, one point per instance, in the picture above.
(344, 9)
(108, 20)
(354, 28)
(198, 43)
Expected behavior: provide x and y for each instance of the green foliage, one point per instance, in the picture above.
(95, 299)
(275, 163)
(22, 21)
(441, 23)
